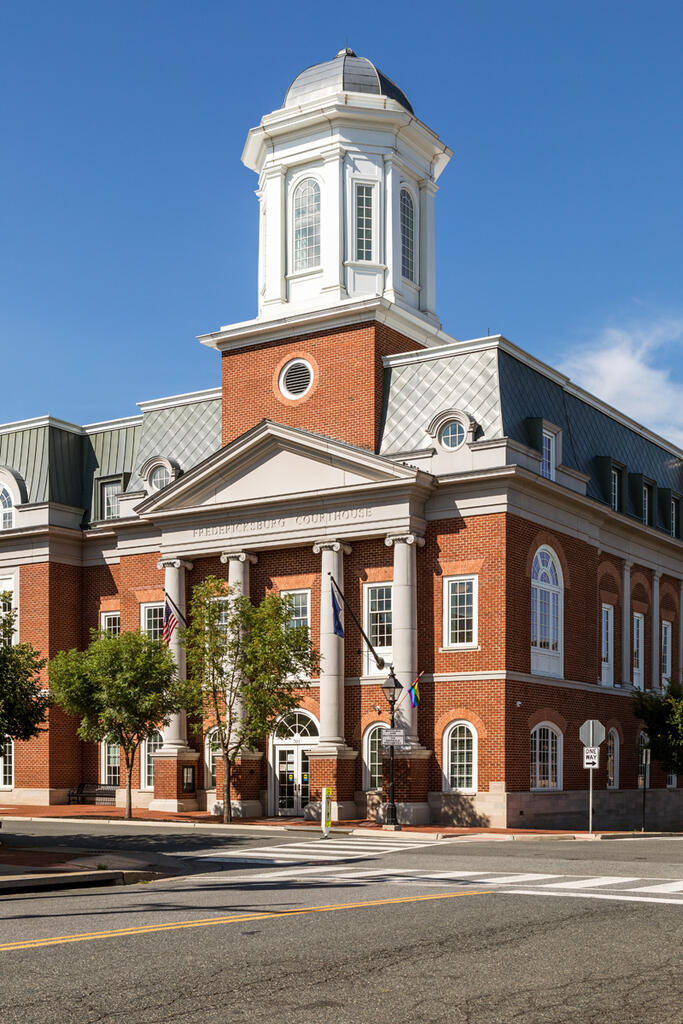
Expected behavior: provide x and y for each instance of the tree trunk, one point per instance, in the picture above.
(129, 776)
(226, 789)
(229, 781)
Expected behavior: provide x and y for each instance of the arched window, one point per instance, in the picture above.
(149, 747)
(212, 754)
(546, 757)
(613, 759)
(296, 725)
(111, 764)
(643, 764)
(306, 225)
(372, 756)
(6, 510)
(547, 613)
(7, 763)
(407, 235)
(460, 758)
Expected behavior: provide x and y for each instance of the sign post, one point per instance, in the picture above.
(591, 734)
(326, 816)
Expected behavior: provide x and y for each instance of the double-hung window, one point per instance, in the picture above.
(152, 620)
(111, 764)
(667, 633)
(645, 509)
(300, 607)
(639, 650)
(6, 762)
(378, 623)
(364, 218)
(548, 456)
(616, 487)
(109, 495)
(545, 758)
(607, 646)
(373, 756)
(674, 517)
(6, 596)
(460, 610)
(149, 748)
(110, 622)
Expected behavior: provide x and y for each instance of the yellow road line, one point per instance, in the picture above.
(208, 921)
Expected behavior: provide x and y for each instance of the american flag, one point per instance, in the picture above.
(170, 622)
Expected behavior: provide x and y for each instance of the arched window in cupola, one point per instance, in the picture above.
(306, 225)
(407, 235)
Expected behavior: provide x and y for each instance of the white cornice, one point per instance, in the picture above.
(190, 398)
(40, 421)
(105, 425)
(259, 332)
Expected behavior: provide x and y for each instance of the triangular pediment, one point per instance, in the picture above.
(273, 462)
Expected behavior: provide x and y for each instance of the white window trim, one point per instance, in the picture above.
(552, 438)
(666, 670)
(446, 608)
(560, 759)
(300, 590)
(143, 612)
(414, 195)
(106, 615)
(294, 183)
(607, 667)
(646, 500)
(3, 787)
(369, 664)
(366, 754)
(208, 785)
(446, 758)
(639, 680)
(617, 752)
(108, 482)
(143, 764)
(615, 482)
(374, 258)
(550, 663)
(10, 584)
(103, 765)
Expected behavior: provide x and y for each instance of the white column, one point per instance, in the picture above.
(175, 733)
(332, 223)
(331, 645)
(238, 570)
(404, 625)
(274, 225)
(392, 220)
(654, 618)
(427, 247)
(626, 644)
(680, 631)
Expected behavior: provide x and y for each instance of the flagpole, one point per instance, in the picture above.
(407, 691)
(175, 608)
(379, 660)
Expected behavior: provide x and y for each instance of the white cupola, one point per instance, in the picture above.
(347, 178)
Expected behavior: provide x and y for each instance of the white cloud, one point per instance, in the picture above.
(620, 366)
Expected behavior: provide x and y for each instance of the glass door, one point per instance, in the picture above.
(292, 781)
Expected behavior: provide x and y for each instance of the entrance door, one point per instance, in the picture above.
(292, 781)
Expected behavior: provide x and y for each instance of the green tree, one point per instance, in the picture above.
(662, 714)
(245, 666)
(122, 688)
(23, 703)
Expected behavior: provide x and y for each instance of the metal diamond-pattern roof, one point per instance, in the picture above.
(186, 434)
(418, 391)
(344, 73)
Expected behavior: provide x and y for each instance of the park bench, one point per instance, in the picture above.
(93, 793)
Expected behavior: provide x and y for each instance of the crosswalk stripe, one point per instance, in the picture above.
(498, 880)
(590, 883)
(662, 887)
(621, 896)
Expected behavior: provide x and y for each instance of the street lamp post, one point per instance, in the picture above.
(391, 689)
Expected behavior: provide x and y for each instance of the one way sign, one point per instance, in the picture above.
(591, 757)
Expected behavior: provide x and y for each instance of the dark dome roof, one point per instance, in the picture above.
(345, 73)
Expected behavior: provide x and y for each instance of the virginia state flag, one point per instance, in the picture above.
(336, 615)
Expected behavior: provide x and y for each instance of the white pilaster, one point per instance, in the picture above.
(626, 644)
(175, 733)
(331, 646)
(332, 223)
(274, 245)
(427, 248)
(404, 629)
(656, 681)
(392, 221)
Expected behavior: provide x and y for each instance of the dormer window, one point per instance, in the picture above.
(674, 517)
(157, 473)
(6, 510)
(548, 456)
(110, 499)
(159, 477)
(616, 489)
(452, 435)
(645, 508)
(306, 225)
(407, 235)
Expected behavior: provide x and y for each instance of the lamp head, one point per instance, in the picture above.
(391, 688)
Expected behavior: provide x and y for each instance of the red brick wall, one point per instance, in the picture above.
(346, 399)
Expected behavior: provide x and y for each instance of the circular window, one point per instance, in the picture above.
(296, 378)
(452, 434)
(159, 478)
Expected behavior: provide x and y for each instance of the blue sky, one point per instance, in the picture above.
(129, 225)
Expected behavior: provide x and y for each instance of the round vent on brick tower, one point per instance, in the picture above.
(296, 378)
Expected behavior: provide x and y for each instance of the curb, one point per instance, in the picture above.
(73, 880)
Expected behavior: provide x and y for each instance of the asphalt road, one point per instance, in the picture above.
(342, 931)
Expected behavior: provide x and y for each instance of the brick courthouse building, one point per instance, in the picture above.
(492, 525)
